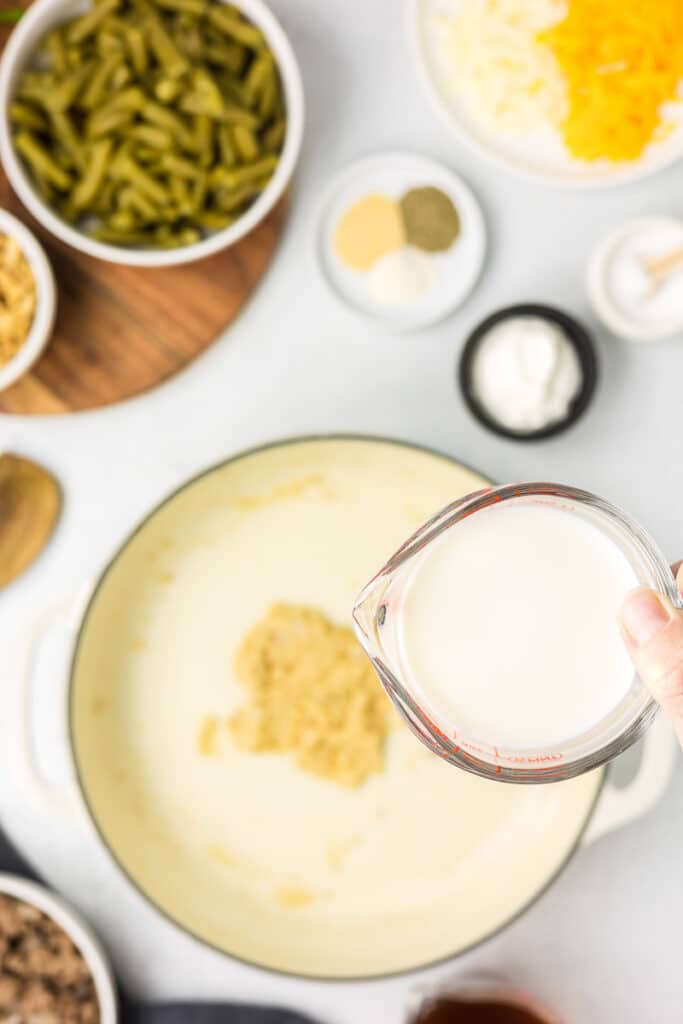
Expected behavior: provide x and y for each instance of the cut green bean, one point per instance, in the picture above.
(199, 191)
(11, 15)
(95, 170)
(170, 239)
(274, 136)
(260, 72)
(267, 106)
(145, 154)
(190, 42)
(169, 56)
(165, 118)
(226, 54)
(130, 100)
(105, 199)
(54, 44)
(225, 147)
(123, 220)
(246, 174)
(38, 159)
(131, 198)
(212, 220)
(64, 94)
(93, 93)
(246, 143)
(125, 168)
(194, 7)
(45, 190)
(152, 137)
(232, 25)
(84, 26)
(107, 122)
(203, 130)
(235, 201)
(180, 193)
(66, 136)
(173, 164)
(108, 42)
(167, 89)
(104, 233)
(24, 115)
(134, 40)
(121, 77)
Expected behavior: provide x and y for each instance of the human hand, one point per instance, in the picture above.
(653, 633)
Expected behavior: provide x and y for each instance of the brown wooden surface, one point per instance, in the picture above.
(122, 330)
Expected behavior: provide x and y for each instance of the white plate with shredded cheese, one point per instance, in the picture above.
(502, 92)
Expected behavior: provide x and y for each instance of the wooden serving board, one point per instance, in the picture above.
(122, 330)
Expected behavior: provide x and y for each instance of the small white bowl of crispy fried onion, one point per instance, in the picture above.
(28, 299)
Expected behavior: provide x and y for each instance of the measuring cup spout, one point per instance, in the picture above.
(365, 613)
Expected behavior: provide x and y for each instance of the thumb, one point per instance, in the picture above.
(653, 632)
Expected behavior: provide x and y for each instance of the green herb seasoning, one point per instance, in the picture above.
(431, 220)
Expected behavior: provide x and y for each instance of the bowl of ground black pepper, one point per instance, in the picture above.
(52, 966)
(401, 239)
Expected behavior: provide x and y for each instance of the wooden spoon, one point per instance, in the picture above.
(30, 500)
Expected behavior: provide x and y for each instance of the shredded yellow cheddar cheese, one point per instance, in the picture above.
(622, 60)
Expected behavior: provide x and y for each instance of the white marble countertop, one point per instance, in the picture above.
(605, 943)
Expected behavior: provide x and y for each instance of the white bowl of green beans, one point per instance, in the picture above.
(149, 132)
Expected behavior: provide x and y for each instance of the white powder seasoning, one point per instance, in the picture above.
(525, 373)
(402, 276)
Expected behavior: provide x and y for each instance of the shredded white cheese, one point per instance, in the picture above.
(511, 82)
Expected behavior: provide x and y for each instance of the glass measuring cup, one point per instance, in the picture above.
(377, 620)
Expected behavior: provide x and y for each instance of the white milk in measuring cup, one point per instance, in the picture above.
(495, 631)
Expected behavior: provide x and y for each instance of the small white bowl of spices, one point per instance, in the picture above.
(28, 299)
(401, 239)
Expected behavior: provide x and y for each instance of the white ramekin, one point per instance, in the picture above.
(605, 308)
(44, 15)
(46, 300)
(78, 931)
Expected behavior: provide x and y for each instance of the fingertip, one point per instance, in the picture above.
(643, 615)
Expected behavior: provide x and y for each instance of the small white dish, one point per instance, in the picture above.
(456, 271)
(540, 155)
(46, 301)
(44, 15)
(78, 931)
(600, 292)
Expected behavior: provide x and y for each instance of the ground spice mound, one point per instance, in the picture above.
(312, 693)
(431, 220)
(43, 977)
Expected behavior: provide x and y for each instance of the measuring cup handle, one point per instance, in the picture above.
(55, 798)
(618, 807)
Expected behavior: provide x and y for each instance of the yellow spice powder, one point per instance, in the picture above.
(622, 60)
(312, 693)
(369, 229)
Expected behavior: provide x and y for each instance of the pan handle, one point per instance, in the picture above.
(618, 807)
(55, 797)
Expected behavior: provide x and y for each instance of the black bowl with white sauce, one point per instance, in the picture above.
(528, 372)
